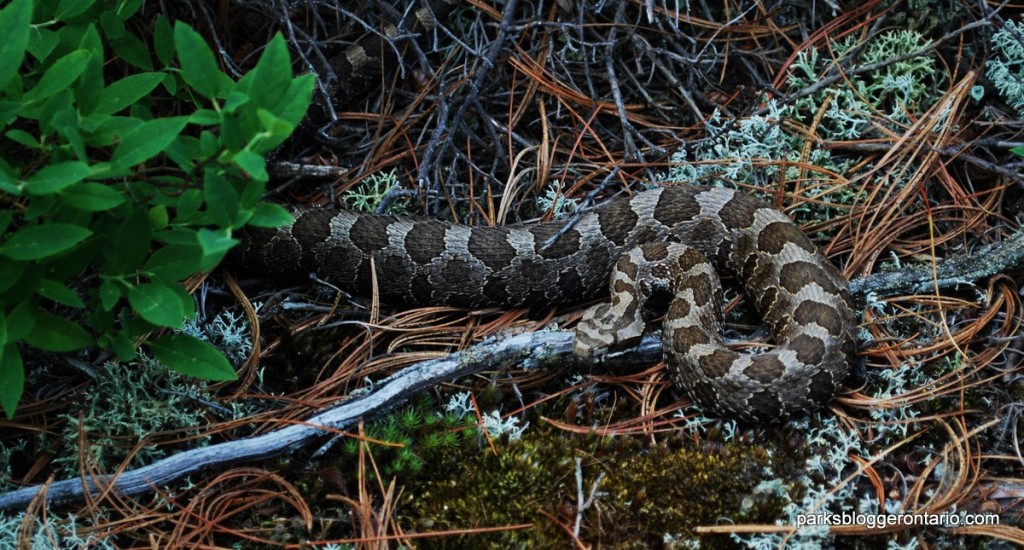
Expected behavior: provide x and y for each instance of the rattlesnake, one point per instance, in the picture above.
(661, 240)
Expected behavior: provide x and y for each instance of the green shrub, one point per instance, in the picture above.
(107, 201)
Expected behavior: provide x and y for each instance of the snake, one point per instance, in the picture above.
(666, 242)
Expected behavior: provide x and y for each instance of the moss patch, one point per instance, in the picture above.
(647, 495)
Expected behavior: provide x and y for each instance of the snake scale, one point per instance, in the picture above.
(667, 240)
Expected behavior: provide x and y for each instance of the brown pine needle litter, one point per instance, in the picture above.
(885, 129)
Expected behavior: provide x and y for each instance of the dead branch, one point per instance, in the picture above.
(284, 170)
(534, 350)
(966, 269)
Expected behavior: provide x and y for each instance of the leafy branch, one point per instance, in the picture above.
(107, 203)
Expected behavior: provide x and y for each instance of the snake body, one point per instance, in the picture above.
(665, 240)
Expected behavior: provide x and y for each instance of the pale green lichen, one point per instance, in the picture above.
(553, 200)
(9, 453)
(886, 95)
(736, 150)
(760, 150)
(368, 195)
(227, 331)
(823, 487)
(129, 405)
(1005, 67)
(51, 533)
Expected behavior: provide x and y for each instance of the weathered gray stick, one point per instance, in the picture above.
(534, 349)
(952, 272)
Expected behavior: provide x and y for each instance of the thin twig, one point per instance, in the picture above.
(584, 505)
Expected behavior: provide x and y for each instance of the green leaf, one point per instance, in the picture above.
(9, 273)
(276, 130)
(60, 293)
(163, 40)
(268, 214)
(251, 195)
(235, 100)
(180, 152)
(108, 131)
(146, 141)
(110, 294)
(1018, 150)
(205, 117)
(41, 43)
(215, 246)
(35, 242)
(9, 110)
(191, 356)
(269, 80)
(113, 26)
(177, 235)
(158, 217)
(221, 199)
(171, 83)
(8, 184)
(23, 137)
(158, 304)
(126, 91)
(300, 92)
(40, 207)
(70, 8)
(53, 333)
(55, 177)
(21, 320)
(128, 8)
(174, 262)
(129, 48)
(64, 119)
(14, 27)
(198, 65)
(59, 76)
(90, 84)
(253, 164)
(188, 303)
(188, 204)
(12, 379)
(209, 145)
(123, 346)
(132, 244)
(3, 333)
(91, 197)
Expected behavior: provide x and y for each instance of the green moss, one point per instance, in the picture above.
(453, 479)
(664, 493)
(646, 495)
(421, 434)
